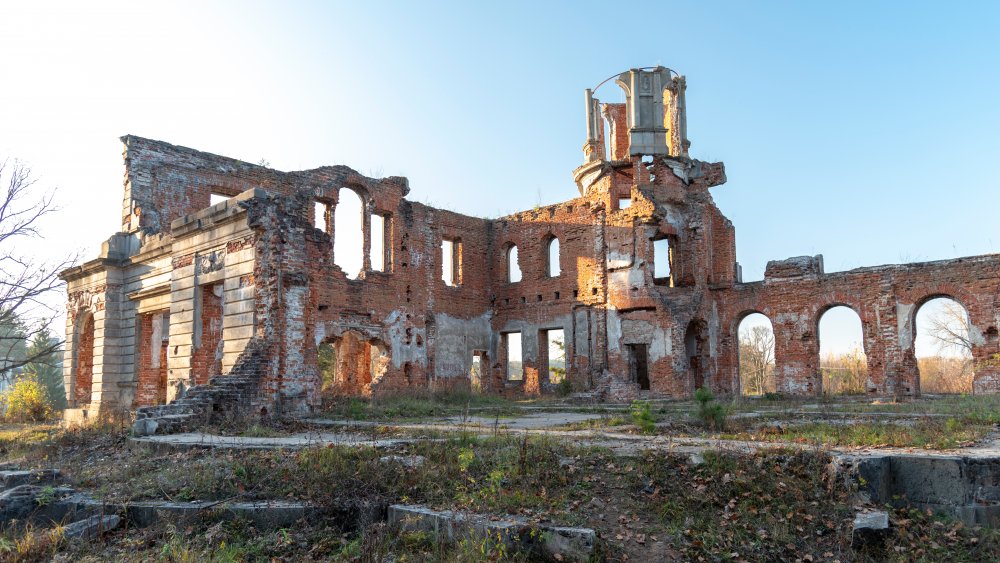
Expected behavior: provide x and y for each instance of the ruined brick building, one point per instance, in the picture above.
(209, 306)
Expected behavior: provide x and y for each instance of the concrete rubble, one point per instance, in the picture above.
(870, 529)
(91, 527)
(566, 544)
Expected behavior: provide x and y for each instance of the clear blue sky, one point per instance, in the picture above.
(865, 131)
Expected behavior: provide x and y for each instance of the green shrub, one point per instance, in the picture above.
(27, 401)
(564, 388)
(711, 413)
(642, 416)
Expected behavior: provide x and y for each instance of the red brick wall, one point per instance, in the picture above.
(151, 375)
(206, 358)
(878, 294)
(604, 297)
(85, 362)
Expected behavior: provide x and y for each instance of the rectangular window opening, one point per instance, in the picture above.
(320, 213)
(663, 258)
(377, 236)
(515, 368)
(624, 202)
(451, 262)
(556, 343)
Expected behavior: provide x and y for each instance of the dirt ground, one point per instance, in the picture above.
(542, 461)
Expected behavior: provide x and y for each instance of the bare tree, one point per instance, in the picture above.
(951, 370)
(950, 328)
(845, 373)
(25, 281)
(757, 360)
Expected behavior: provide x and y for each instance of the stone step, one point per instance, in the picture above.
(14, 478)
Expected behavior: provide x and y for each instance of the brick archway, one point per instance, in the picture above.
(358, 362)
(83, 373)
(759, 370)
(852, 374)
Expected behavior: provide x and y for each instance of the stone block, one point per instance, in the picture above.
(870, 529)
(92, 527)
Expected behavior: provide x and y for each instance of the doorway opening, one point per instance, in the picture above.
(477, 369)
(638, 364)
(696, 346)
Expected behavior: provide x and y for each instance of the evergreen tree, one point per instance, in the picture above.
(46, 365)
(13, 346)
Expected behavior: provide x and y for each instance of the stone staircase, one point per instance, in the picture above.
(227, 394)
(222, 396)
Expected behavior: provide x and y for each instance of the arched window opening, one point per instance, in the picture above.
(842, 360)
(351, 363)
(943, 347)
(553, 261)
(756, 355)
(513, 265)
(84, 376)
(348, 233)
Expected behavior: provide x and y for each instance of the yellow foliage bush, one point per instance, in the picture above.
(27, 401)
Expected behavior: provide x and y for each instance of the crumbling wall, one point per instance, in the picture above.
(796, 292)
(400, 307)
(211, 292)
(164, 182)
(252, 287)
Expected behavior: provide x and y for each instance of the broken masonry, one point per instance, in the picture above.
(229, 280)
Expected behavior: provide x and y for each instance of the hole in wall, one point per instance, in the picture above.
(943, 346)
(842, 359)
(348, 245)
(514, 365)
(756, 355)
(553, 267)
(555, 341)
(377, 235)
(513, 265)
